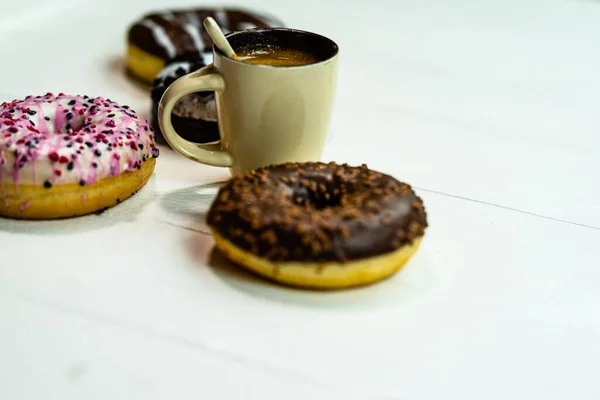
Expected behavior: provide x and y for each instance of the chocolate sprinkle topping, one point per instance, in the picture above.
(317, 212)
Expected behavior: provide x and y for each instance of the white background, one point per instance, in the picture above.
(491, 110)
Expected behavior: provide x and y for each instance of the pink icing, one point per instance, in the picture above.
(61, 139)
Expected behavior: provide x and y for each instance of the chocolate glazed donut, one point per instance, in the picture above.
(318, 225)
(162, 36)
(195, 115)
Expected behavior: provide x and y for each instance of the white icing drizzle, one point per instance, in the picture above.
(169, 16)
(160, 35)
(169, 70)
(221, 18)
(207, 57)
(192, 17)
(193, 28)
(194, 33)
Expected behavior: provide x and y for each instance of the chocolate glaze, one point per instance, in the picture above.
(317, 212)
(194, 117)
(170, 33)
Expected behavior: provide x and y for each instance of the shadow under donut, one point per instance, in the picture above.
(190, 205)
(391, 292)
(126, 211)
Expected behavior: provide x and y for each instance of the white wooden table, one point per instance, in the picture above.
(490, 109)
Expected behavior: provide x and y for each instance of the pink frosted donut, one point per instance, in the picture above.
(63, 156)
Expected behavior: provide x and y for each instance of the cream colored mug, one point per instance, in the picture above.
(266, 114)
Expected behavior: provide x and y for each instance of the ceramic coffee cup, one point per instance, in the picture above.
(266, 114)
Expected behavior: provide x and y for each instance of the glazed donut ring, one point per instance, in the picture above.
(318, 225)
(64, 156)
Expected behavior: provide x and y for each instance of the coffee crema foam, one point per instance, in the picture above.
(277, 57)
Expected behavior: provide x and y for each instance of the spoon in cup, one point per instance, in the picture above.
(218, 37)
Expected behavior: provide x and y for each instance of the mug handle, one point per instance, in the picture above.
(205, 79)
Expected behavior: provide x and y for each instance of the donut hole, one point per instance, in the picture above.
(61, 118)
(78, 124)
(316, 200)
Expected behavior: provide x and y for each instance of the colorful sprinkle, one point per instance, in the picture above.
(32, 147)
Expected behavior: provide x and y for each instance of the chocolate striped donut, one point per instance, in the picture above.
(161, 36)
(195, 115)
